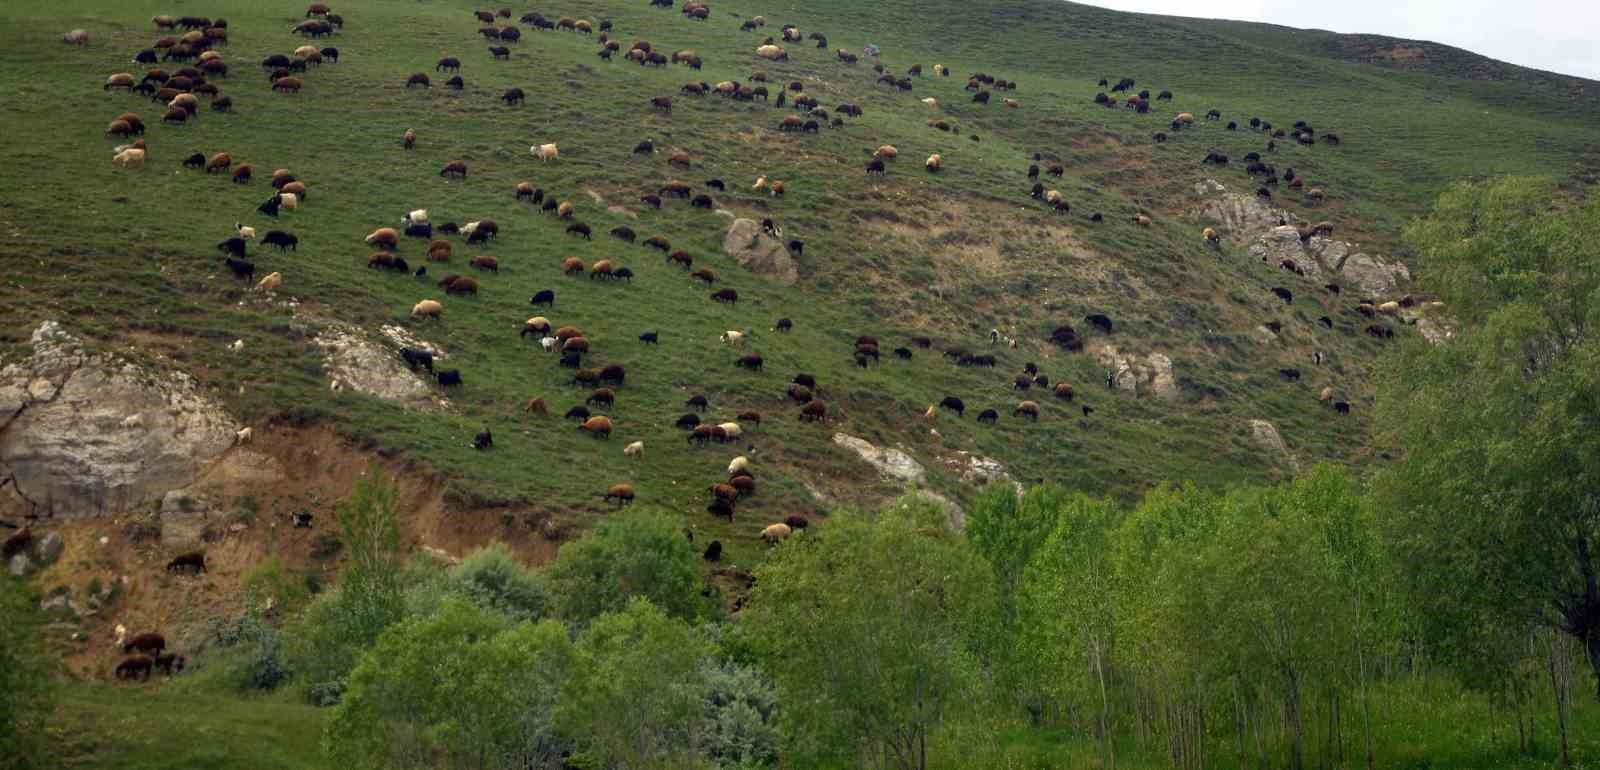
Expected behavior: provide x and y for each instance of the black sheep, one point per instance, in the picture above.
(955, 405)
(241, 268)
(233, 246)
(284, 241)
(688, 421)
(415, 357)
(448, 377)
(544, 297)
(484, 440)
(648, 338)
(578, 413)
(713, 551)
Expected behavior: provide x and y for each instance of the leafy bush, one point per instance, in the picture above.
(460, 688)
(741, 710)
(638, 553)
(493, 579)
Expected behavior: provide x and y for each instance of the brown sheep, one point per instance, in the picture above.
(1063, 391)
(601, 269)
(575, 345)
(567, 332)
(175, 115)
(814, 411)
(536, 405)
(220, 162)
(704, 274)
(297, 189)
(681, 257)
(1027, 409)
(729, 296)
(572, 266)
(485, 262)
(750, 417)
(120, 80)
(537, 325)
(564, 210)
(679, 158)
(745, 485)
(599, 427)
(440, 251)
(622, 493)
(408, 140)
(384, 237)
(524, 190)
(455, 168)
(603, 396)
(723, 492)
(150, 643)
(459, 285)
(288, 85)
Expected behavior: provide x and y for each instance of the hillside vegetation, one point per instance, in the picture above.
(127, 257)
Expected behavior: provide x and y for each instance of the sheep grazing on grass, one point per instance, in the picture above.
(130, 158)
(193, 562)
(814, 411)
(428, 308)
(76, 37)
(599, 427)
(1027, 409)
(1211, 236)
(776, 533)
(621, 493)
(545, 152)
(135, 667)
(408, 139)
(455, 168)
(272, 282)
(934, 163)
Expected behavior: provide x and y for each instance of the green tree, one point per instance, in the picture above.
(637, 553)
(1496, 502)
(25, 692)
(873, 630)
(370, 597)
(1066, 609)
(461, 688)
(637, 693)
(1006, 529)
(492, 578)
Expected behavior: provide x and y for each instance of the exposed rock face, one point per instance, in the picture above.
(1235, 214)
(1248, 218)
(890, 462)
(185, 519)
(1266, 436)
(50, 548)
(1130, 373)
(363, 365)
(86, 435)
(760, 253)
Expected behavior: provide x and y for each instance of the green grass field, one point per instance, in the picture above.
(127, 258)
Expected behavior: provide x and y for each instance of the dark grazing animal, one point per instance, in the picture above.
(955, 405)
(483, 440)
(544, 297)
(415, 357)
(448, 377)
(285, 241)
(148, 643)
(241, 268)
(233, 246)
(194, 562)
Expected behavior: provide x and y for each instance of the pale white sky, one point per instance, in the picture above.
(1558, 35)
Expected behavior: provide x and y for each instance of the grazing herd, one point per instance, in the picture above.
(197, 48)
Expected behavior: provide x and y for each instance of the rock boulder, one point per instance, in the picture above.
(89, 434)
(760, 253)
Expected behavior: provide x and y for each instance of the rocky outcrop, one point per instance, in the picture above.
(185, 519)
(760, 253)
(1266, 437)
(890, 462)
(1130, 373)
(89, 434)
(1248, 219)
(355, 361)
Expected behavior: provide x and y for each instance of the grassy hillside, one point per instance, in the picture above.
(126, 257)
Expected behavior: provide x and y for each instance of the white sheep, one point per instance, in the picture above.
(1389, 308)
(636, 449)
(732, 429)
(470, 227)
(545, 152)
(121, 634)
(428, 307)
(237, 346)
(739, 463)
(931, 102)
(243, 436)
(245, 231)
(418, 217)
(132, 157)
(289, 201)
(271, 283)
(931, 413)
(733, 338)
(549, 344)
(775, 532)
(761, 182)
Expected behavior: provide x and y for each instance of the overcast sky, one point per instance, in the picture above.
(1557, 35)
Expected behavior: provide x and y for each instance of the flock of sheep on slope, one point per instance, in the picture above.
(180, 91)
